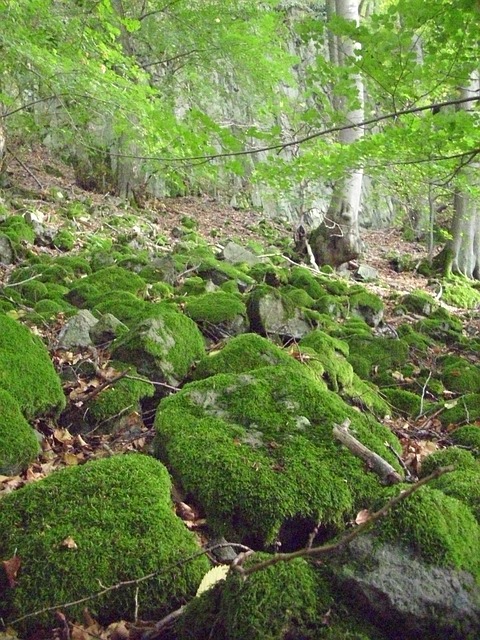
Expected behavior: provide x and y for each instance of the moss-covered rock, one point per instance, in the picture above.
(367, 306)
(218, 313)
(441, 327)
(163, 346)
(460, 375)
(243, 353)
(283, 601)
(467, 436)
(105, 281)
(117, 515)
(272, 313)
(299, 297)
(302, 278)
(117, 400)
(26, 370)
(47, 309)
(460, 292)
(125, 306)
(18, 443)
(256, 451)
(376, 356)
(406, 402)
(465, 409)
(419, 302)
(459, 458)
(463, 485)
(441, 529)
(18, 230)
(415, 340)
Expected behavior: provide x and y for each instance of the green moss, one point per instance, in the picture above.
(116, 279)
(49, 308)
(160, 291)
(459, 458)
(460, 292)
(215, 307)
(302, 278)
(55, 291)
(441, 326)
(265, 273)
(441, 529)
(121, 398)
(118, 512)
(414, 339)
(405, 402)
(464, 485)
(256, 450)
(64, 240)
(468, 436)
(377, 355)
(419, 302)
(299, 297)
(123, 305)
(18, 230)
(166, 343)
(193, 286)
(330, 352)
(460, 375)
(353, 327)
(243, 353)
(26, 370)
(33, 291)
(334, 306)
(367, 306)
(210, 268)
(18, 444)
(465, 410)
(286, 600)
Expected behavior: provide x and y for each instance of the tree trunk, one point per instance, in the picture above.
(337, 239)
(465, 244)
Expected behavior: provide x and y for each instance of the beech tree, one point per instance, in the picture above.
(337, 238)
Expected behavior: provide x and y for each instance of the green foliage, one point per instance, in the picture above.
(118, 513)
(18, 443)
(214, 307)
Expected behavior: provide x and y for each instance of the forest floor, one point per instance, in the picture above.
(39, 182)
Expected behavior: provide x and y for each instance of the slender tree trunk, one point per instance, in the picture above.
(337, 239)
(464, 248)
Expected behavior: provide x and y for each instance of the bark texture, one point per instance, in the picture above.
(338, 240)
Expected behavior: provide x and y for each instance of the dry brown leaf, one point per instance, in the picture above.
(71, 459)
(69, 543)
(362, 516)
(11, 568)
(63, 435)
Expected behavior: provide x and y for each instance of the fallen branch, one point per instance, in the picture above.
(376, 463)
(329, 548)
(125, 583)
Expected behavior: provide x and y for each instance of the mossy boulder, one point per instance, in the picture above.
(125, 306)
(18, 443)
(405, 402)
(441, 529)
(375, 357)
(218, 314)
(465, 409)
(256, 451)
(283, 601)
(367, 306)
(415, 340)
(26, 370)
(243, 353)
(103, 282)
(18, 230)
(460, 375)
(108, 410)
(272, 313)
(85, 528)
(162, 347)
(461, 292)
(464, 485)
(467, 436)
(302, 278)
(419, 302)
(459, 458)
(441, 327)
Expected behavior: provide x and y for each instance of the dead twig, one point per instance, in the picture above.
(329, 548)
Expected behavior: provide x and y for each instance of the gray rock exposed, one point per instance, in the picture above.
(365, 273)
(270, 314)
(394, 587)
(236, 254)
(76, 332)
(107, 329)
(7, 254)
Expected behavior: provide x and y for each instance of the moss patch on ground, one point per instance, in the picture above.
(118, 513)
(18, 443)
(256, 450)
(26, 370)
